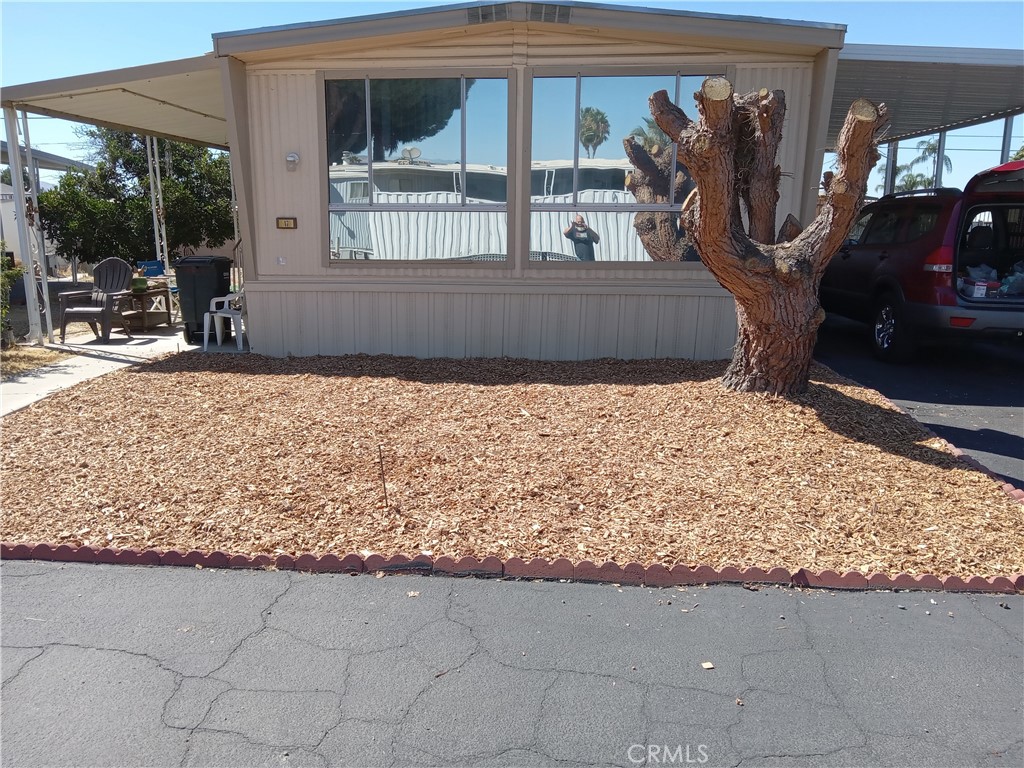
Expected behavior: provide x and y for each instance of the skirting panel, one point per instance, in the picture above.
(552, 326)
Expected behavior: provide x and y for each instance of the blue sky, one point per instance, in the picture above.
(43, 40)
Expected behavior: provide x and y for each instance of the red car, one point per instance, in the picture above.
(935, 262)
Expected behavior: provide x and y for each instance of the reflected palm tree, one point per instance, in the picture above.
(650, 135)
(594, 129)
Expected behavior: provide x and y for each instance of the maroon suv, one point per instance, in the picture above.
(934, 262)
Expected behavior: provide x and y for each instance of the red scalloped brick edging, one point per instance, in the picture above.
(633, 574)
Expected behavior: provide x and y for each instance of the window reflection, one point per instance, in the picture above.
(418, 235)
(430, 143)
(579, 164)
(487, 141)
(419, 166)
(606, 235)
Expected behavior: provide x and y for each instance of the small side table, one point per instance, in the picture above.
(152, 307)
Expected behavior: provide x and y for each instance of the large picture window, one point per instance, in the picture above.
(417, 168)
(580, 206)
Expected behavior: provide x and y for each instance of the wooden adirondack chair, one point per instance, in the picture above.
(112, 279)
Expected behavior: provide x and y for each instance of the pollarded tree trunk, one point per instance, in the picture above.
(730, 153)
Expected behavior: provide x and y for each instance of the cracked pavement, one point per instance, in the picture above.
(109, 665)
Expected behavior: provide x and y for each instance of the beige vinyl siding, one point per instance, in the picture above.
(283, 109)
(479, 321)
(796, 81)
(551, 311)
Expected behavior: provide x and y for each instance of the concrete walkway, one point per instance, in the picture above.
(128, 666)
(94, 358)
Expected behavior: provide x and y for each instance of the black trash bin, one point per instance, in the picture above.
(200, 279)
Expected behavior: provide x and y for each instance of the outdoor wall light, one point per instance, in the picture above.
(292, 160)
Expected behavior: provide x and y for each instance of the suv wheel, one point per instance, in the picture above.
(892, 338)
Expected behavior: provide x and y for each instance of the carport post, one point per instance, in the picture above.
(890, 167)
(1004, 155)
(35, 331)
(41, 253)
(156, 201)
(940, 159)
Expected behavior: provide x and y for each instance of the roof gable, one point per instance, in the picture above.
(734, 33)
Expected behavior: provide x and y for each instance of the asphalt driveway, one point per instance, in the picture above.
(108, 665)
(971, 395)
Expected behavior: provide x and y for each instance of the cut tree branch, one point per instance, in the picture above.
(670, 118)
(856, 155)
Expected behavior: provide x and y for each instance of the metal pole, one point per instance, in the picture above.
(152, 195)
(234, 200)
(462, 149)
(156, 202)
(1004, 155)
(41, 253)
(237, 254)
(576, 146)
(940, 158)
(890, 167)
(163, 254)
(35, 333)
(369, 147)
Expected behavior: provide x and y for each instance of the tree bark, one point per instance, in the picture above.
(730, 153)
(759, 117)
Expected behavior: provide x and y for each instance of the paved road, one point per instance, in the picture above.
(127, 666)
(971, 395)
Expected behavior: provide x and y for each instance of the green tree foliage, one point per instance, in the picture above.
(91, 215)
(1019, 154)
(6, 176)
(401, 111)
(8, 277)
(649, 135)
(594, 129)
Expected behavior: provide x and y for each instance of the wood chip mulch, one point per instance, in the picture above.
(647, 461)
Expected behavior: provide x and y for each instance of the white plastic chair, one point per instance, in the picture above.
(232, 307)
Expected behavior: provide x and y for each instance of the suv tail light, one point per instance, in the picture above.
(937, 284)
(940, 260)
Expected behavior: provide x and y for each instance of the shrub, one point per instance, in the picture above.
(7, 280)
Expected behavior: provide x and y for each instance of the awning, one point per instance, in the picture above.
(928, 89)
(181, 100)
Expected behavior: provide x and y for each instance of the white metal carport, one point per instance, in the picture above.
(180, 100)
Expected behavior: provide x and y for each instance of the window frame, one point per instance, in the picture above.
(542, 72)
(646, 70)
(506, 73)
(519, 131)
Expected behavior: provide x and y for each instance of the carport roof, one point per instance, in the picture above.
(926, 89)
(181, 100)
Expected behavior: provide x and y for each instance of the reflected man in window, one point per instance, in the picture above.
(583, 238)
